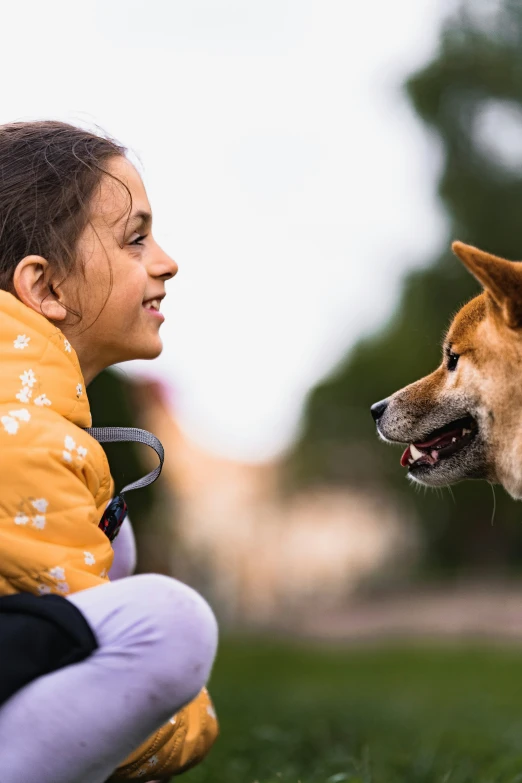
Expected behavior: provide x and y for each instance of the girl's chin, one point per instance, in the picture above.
(149, 350)
(152, 351)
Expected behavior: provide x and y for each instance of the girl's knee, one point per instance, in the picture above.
(156, 627)
(183, 633)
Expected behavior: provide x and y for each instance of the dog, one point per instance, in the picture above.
(464, 420)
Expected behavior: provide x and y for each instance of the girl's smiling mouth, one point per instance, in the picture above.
(152, 306)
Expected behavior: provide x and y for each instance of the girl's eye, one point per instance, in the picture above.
(138, 240)
(453, 359)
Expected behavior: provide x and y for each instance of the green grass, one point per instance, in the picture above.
(290, 713)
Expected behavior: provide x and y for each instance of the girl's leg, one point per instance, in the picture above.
(124, 546)
(157, 640)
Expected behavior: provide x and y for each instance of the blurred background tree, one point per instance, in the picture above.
(115, 402)
(470, 99)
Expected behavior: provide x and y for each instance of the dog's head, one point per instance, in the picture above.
(464, 420)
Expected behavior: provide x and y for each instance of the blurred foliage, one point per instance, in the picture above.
(478, 68)
(389, 714)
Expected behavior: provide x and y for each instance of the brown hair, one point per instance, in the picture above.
(48, 173)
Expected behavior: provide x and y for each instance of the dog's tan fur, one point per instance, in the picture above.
(486, 334)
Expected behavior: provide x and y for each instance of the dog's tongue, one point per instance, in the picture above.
(446, 436)
(440, 440)
(405, 458)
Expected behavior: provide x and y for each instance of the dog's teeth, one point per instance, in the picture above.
(411, 460)
(454, 440)
(415, 453)
(466, 432)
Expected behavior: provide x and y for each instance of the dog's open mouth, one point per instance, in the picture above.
(441, 443)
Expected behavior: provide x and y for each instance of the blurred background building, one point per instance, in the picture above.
(319, 510)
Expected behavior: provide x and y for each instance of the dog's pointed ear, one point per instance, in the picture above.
(501, 279)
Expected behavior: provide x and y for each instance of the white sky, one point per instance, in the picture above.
(287, 175)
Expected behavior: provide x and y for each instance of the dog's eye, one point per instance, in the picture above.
(453, 359)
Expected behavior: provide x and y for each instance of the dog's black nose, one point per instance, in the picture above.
(378, 409)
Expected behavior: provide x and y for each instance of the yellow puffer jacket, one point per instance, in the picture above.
(55, 486)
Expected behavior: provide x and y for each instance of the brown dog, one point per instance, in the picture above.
(464, 421)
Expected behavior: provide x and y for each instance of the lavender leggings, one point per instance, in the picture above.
(157, 640)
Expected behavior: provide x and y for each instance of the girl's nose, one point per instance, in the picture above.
(163, 265)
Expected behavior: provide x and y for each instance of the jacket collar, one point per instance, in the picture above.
(39, 367)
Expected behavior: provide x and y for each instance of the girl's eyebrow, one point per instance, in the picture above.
(138, 218)
(141, 219)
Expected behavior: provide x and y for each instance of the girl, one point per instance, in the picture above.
(81, 281)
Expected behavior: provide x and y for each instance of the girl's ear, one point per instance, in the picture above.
(501, 279)
(32, 287)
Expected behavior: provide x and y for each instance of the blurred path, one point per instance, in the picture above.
(473, 610)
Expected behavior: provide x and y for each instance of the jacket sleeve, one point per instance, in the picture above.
(178, 745)
(50, 507)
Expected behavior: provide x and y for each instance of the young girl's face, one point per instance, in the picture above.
(123, 324)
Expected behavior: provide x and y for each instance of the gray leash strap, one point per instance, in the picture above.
(134, 435)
